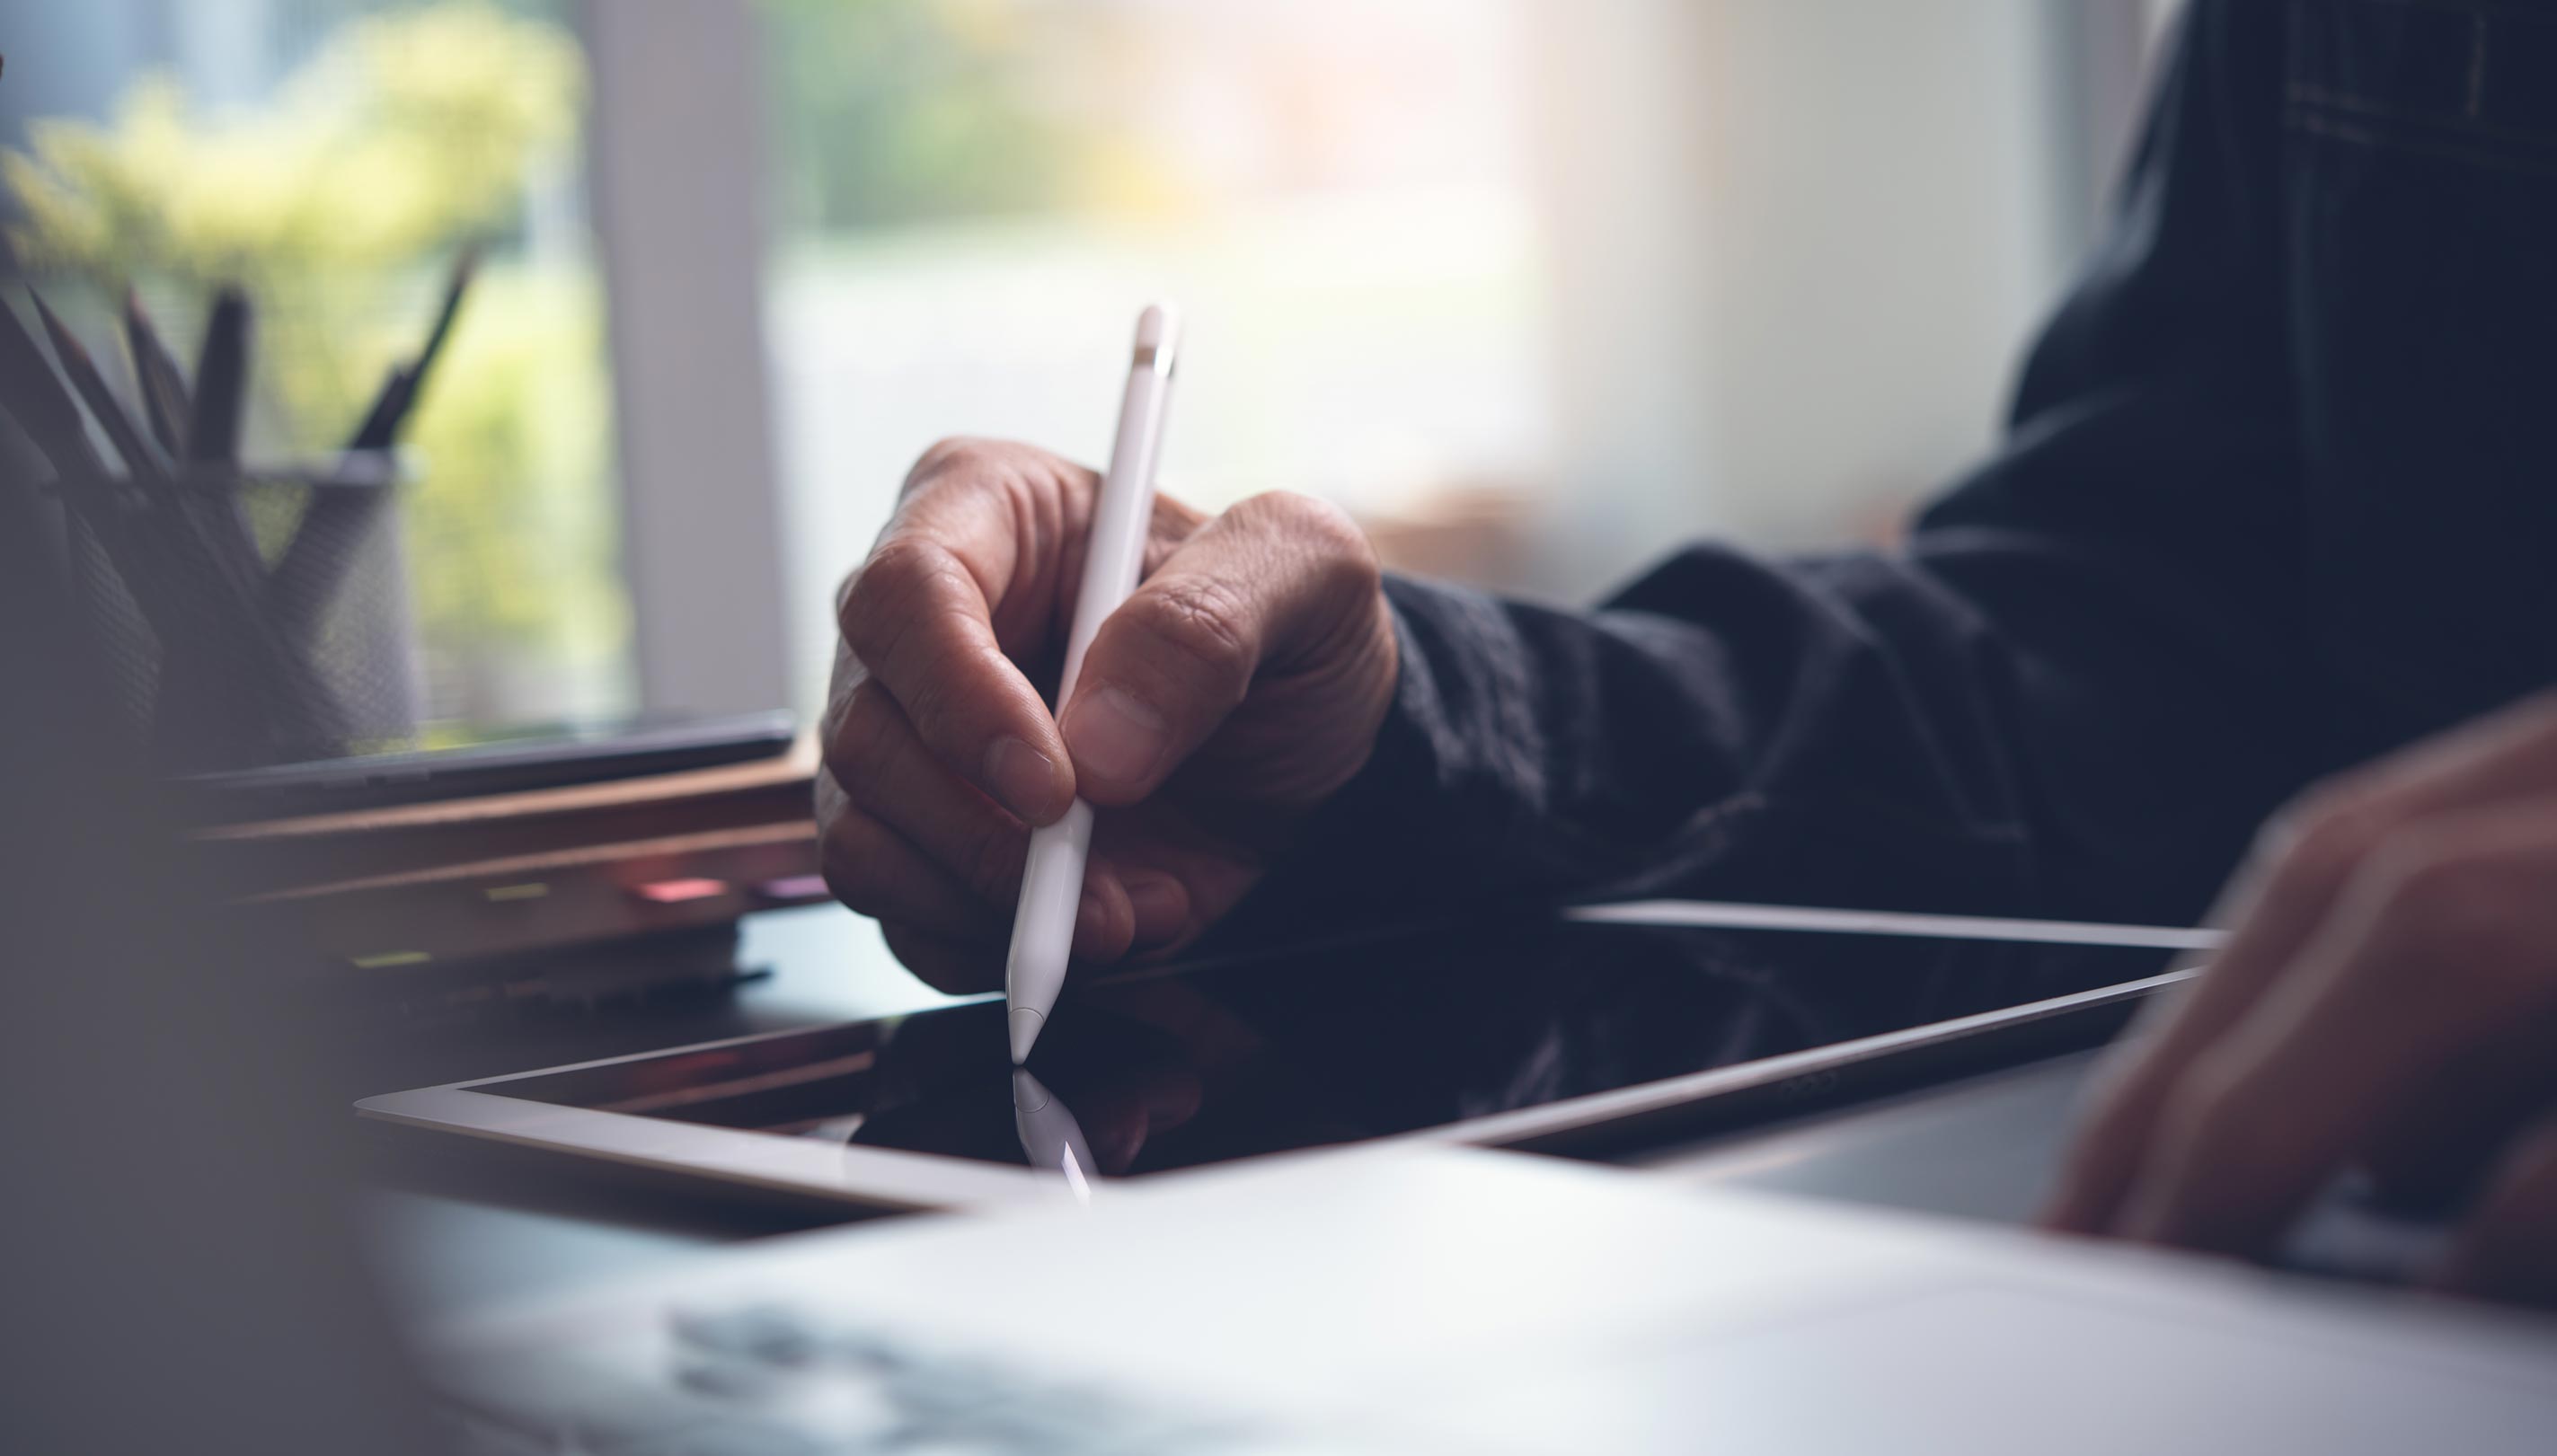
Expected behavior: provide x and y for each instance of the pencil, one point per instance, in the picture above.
(156, 374)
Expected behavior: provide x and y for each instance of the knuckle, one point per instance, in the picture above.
(2459, 905)
(2321, 838)
(1281, 512)
(1307, 520)
(1352, 572)
(2529, 750)
(864, 735)
(1334, 539)
(1207, 624)
(875, 593)
(941, 456)
(1064, 478)
(2538, 709)
(895, 590)
(847, 684)
(898, 567)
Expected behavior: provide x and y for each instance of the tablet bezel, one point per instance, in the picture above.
(858, 1177)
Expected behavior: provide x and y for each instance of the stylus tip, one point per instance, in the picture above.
(1026, 1031)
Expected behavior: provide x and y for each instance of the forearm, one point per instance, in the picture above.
(1990, 726)
(1727, 726)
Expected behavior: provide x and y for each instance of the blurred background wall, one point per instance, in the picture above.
(1536, 288)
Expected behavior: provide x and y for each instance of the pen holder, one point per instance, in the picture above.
(251, 615)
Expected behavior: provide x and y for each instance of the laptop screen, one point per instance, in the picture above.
(1176, 1067)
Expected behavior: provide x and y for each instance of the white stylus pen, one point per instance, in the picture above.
(1050, 1137)
(1052, 882)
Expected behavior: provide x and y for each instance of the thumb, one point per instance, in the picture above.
(1270, 584)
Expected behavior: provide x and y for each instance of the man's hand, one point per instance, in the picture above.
(1239, 687)
(2387, 1001)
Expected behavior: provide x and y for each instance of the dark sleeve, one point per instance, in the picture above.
(2071, 694)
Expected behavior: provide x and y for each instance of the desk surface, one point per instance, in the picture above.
(1982, 1147)
(455, 1226)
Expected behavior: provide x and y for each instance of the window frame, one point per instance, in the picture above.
(676, 181)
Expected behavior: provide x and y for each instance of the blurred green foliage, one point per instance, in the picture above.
(337, 203)
(405, 131)
(518, 401)
(887, 112)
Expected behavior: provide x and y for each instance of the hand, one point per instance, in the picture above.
(1238, 688)
(2388, 998)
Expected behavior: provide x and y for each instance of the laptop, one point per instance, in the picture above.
(1413, 1298)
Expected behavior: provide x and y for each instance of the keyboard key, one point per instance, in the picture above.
(756, 1332)
(724, 1378)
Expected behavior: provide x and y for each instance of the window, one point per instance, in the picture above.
(1533, 290)
(975, 200)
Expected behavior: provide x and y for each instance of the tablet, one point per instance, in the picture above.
(1584, 1033)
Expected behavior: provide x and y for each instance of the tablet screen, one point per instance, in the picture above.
(1173, 1068)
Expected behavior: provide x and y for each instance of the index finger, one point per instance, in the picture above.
(2275, 904)
(919, 615)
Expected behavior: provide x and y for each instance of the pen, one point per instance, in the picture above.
(324, 545)
(155, 374)
(1053, 879)
(221, 382)
(1050, 1137)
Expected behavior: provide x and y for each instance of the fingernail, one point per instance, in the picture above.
(1022, 779)
(1115, 735)
(1162, 906)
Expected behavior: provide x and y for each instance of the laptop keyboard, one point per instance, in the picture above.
(765, 1380)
